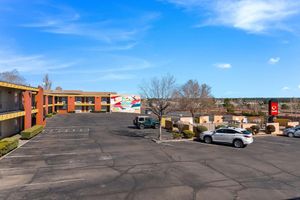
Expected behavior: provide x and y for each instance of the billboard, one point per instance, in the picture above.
(125, 103)
(273, 108)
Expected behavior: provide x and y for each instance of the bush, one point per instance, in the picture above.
(200, 129)
(289, 127)
(31, 132)
(177, 135)
(49, 115)
(282, 122)
(270, 129)
(255, 129)
(220, 126)
(8, 144)
(250, 130)
(188, 134)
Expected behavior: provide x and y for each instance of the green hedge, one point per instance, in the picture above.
(188, 134)
(49, 115)
(8, 144)
(31, 132)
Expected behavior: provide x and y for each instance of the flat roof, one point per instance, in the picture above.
(17, 86)
(77, 93)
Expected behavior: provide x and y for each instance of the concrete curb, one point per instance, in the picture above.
(166, 141)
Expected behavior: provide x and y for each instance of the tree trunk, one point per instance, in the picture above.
(160, 130)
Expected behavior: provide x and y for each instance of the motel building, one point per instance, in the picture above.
(22, 107)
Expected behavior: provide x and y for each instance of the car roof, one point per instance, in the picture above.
(233, 128)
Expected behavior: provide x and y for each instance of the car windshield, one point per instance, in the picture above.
(246, 132)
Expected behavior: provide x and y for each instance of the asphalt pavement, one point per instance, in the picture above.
(101, 156)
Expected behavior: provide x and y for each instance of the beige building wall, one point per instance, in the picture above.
(238, 118)
(293, 124)
(248, 125)
(203, 119)
(218, 119)
(187, 120)
(10, 127)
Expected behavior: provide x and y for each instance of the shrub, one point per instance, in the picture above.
(289, 127)
(49, 115)
(220, 126)
(250, 130)
(188, 134)
(282, 122)
(8, 144)
(270, 129)
(200, 129)
(255, 129)
(177, 135)
(31, 132)
(234, 125)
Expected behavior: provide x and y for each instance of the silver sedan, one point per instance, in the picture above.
(292, 132)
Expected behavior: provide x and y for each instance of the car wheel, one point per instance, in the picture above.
(238, 144)
(141, 126)
(207, 140)
(156, 126)
(290, 134)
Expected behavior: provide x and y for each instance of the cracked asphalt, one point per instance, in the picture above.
(97, 156)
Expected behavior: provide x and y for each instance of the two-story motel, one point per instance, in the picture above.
(22, 107)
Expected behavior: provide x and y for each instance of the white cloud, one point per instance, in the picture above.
(299, 86)
(223, 65)
(273, 61)
(33, 64)
(256, 16)
(108, 31)
(286, 88)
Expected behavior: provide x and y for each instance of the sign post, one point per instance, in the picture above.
(273, 109)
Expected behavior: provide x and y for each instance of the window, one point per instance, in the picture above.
(230, 131)
(141, 119)
(221, 131)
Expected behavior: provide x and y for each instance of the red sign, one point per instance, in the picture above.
(273, 108)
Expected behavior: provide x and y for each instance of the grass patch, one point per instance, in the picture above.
(31, 132)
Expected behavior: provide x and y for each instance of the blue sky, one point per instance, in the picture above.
(241, 48)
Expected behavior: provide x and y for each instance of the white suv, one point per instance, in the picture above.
(238, 137)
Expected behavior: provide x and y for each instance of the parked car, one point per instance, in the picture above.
(292, 132)
(142, 122)
(238, 137)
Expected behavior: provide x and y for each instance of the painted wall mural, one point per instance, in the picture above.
(126, 103)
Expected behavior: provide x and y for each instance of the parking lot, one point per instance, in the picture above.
(97, 156)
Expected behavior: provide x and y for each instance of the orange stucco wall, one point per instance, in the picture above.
(27, 108)
(71, 103)
(97, 103)
(39, 105)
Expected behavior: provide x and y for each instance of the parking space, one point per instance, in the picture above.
(99, 156)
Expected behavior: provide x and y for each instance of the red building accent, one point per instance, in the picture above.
(53, 104)
(27, 108)
(40, 106)
(46, 104)
(71, 103)
(97, 103)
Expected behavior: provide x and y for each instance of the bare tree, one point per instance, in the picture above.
(47, 83)
(194, 97)
(12, 77)
(158, 93)
(58, 88)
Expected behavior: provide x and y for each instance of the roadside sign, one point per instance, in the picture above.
(273, 107)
